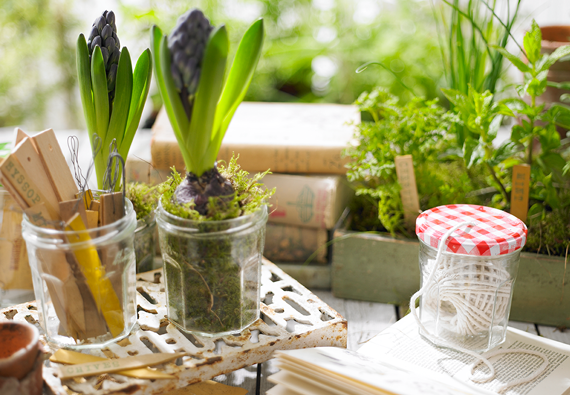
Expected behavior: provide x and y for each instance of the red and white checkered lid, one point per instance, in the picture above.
(496, 233)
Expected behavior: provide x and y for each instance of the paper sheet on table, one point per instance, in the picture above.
(402, 346)
(208, 388)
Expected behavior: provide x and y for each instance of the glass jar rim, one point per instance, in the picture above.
(103, 234)
(225, 226)
(451, 253)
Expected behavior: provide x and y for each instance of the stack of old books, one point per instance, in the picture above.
(301, 144)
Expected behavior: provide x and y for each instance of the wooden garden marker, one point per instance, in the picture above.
(409, 191)
(30, 161)
(92, 218)
(74, 357)
(70, 207)
(97, 281)
(15, 174)
(116, 365)
(87, 197)
(55, 165)
(519, 191)
(112, 207)
(20, 135)
(95, 204)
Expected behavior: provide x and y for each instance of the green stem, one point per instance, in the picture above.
(502, 187)
(530, 144)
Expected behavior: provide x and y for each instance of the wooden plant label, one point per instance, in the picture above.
(112, 207)
(98, 282)
(68, 209)
(116, 365)
(75, 358)
(55, 165)
(92, 218)
(30, 161)
(409, 191)
(15, 174)
(519, 192)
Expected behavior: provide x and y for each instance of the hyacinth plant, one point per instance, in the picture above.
(190, 67)
(112, 96)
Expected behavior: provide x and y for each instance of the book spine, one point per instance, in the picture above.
(259, 158)
(166, 154)
(286, 243)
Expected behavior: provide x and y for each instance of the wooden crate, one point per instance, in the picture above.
(384, 269)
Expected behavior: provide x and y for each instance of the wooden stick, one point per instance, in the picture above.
(19, 136)
(409, 191)
(92, 218)
(97, 281)
(87, 197)
(21, 182)
(68, 209)
(112, 207)
(55, 165)
(30, 161)
(520, 191)
(12, 191)
(95, 204)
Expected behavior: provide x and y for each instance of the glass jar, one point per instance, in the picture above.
(212, 271)
(145, 243)
(84, 281)
(467, 300)
(16, 284)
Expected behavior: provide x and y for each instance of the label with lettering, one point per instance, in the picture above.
(519, 191)
(409, 191)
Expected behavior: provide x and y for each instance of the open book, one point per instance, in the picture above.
(398, 361)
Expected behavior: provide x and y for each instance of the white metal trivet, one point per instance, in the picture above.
(292, 317)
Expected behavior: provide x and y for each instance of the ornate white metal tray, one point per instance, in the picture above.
(292, 317)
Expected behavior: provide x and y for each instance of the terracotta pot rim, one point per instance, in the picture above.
(553, 44)
(32, 345)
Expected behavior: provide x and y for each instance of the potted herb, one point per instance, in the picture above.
(144, 199)
(483, 176)
(212, 222)
(112, 95)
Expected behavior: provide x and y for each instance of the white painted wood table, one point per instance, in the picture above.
(365, 320)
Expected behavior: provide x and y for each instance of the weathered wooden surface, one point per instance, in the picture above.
(382, 269)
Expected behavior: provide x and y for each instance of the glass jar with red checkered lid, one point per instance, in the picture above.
(469, 257)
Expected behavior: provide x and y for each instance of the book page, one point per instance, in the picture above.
(371, 376)
(402, 345)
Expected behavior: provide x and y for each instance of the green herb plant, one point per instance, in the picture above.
(539, 140)
(418, 128)
(482, 117)
(112, 95)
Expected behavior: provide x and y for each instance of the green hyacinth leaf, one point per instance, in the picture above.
(100, 93)
(122, 102)
(141, 85)
(237, 84)
(84, 75)
(207, 96)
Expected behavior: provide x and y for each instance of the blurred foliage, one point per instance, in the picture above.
(423, 129)
(37, 60)
(313, 48)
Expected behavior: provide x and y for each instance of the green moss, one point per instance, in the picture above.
(549, 233)
(212, 276)
(143, 196)
(250, 195)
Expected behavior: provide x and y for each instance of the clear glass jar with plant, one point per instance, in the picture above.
(144, 198)
(211, 222)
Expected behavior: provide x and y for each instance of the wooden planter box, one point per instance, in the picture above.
(385, 269)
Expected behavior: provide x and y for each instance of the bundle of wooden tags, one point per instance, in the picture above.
(87, 301)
